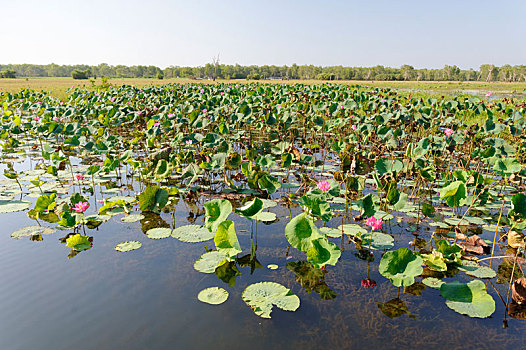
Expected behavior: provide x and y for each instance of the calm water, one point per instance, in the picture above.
(146, 299)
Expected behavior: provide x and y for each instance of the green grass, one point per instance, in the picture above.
(57, 86)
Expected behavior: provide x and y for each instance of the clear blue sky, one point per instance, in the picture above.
(325, 32)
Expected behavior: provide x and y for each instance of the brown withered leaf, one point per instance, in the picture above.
(518, 291)
(475, 245)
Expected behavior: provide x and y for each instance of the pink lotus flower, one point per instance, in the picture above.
(368, 283)
(488, 94)
(202, 91)
(55, 119)
(79, 177)
(81, 207)
(205, 110)
(324, 185)
(222, 93)
(112, 99)
(354, 127)
(342, 107)
(188, 142)
(170, 115)
(37, 118)
(154, 108)
(101, 201)
(449, 132)
(156, 124)
(375, 223)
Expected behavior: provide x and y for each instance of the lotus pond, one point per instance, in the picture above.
(269, 216)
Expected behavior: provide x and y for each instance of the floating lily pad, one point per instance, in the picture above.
(78, 242)
(331, 232)
(12, 206)
(213, 295)
(127, 199)
(128, 246)
(471, 268)
(352, 229)
(132, 218)
(209, 261)
(192, 233)
(269, 203)
(31, 231)
(158, 233)
(469, 299)
(272, 266)
(433, 282)
(260, 297)
(380, 241)
(265, 216)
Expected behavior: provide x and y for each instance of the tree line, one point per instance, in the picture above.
(486, 72)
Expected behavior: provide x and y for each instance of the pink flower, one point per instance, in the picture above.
(375, 223)
(342, 107)
(448, 132)
(205, 110)
(368, 283)
(222, 93)
(154, 108)
(112, 99)
(488, 94)
(188, 142)
(354, 127)
(156, 124)
(170, 115)
(37, 118)
(55, 119)
(202, 91)
(101, 201)
(324, 185)
(79, 177)
(81, 207)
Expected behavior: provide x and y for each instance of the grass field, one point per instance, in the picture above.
(58, 86)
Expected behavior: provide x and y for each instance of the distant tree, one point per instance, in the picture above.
(8, 74)
(81, 74)
(160, 76)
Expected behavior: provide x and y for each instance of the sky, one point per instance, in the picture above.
(421, 33)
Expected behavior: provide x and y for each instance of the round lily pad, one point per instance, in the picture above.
(471, 268)
(268, 203)
(127, 199)
(128, 246)
(192, 233)
(272, 266)
(260, 297)
(12, 206)
(209, 261)
(469, 299)
(352, 229)
(433, 282)
(265, 216)
(132, 218)
(331, 232)
(31, 231)
(158, 233)
(380, 241)
(213, 295)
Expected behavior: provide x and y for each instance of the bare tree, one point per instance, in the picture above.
(215, 63)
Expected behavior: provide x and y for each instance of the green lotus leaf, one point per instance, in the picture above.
(216, 211)
(380, 241)
(159, 232)
(454, 194)
(209, 261)
(31, 231)
(128, 246)
(268, 203)
(12, 206)
(213, 295)
(192, 233)
(435, 261)
(132, 218)
(153, 199)
(225, 239)
(401, 267)
(507, 166)
(386, 166)
(300, 232)
(46, 202)
(323, 253)
(450, 252)
(352, 229)
(269, 183)
(433, 282)
(78, 242)
(251, 209)
(471, 268)
(331, 232)
(265, 216)
(469, 299)
(261, 297)
(127, 199)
